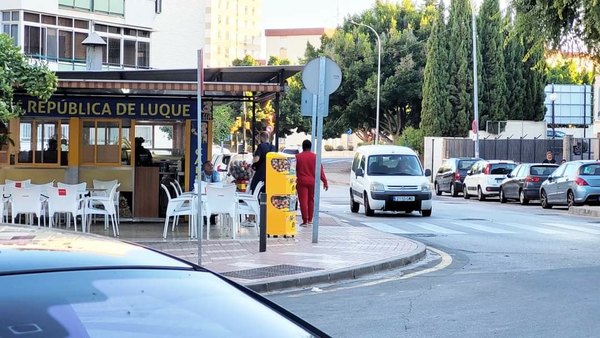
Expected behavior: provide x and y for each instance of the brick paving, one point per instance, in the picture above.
(342, 249)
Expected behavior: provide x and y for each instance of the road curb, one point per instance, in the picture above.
(341, 274)
(585, 211)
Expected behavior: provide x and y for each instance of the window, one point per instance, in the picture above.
(65, 22)
(79, 47)
(129, 54)
(5, 16)
(41, 142)
(101, 28)
(143, 54)
(143, 34)
(32, 17)
(12, 31)
(101, 142)
(110, 6)
(49, 20)
(32, 40)
(114, 51)
(129, 31)
(83, 24)
(65, 45)
(381, 165)
(52, 43)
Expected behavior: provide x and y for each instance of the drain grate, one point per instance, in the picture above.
(269, 271)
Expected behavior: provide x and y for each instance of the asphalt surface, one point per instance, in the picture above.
(512, 271)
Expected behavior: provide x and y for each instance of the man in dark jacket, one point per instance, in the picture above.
(259, 163)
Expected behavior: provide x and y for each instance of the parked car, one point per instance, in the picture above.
(292, 150)
(385, 177)
(573, 183)
(451, 174)
(68, 284)
(484, 178)
(523, 183)
(579, 146)
(220, 163)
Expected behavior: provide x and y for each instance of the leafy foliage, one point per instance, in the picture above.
(412, 138)
(222, 122)
(566, 72)
(436, 106)
(17, 73)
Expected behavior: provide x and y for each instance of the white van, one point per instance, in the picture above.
(385, 177)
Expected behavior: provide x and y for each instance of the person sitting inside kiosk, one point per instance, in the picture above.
(143, 156)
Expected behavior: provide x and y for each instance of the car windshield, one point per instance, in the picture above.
(501, 168)
(542, 170)
(590, 169)
(466, 164)
(136, 302)
(394, 165)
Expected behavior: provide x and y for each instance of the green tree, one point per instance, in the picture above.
(274, 61)
(460, 61)
(493, 78)
(566, 72)
(223, 120)
(248, 60)
(515, 81)
(535, 82)
(560, 22)
(16, 72)
(435, 106)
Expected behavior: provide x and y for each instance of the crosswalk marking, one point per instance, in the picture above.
(386, 228)
(535, 229)
(483, 228)
(435, 228)
(573, 227)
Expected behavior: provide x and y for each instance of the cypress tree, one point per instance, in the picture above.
(436, 107)
(493, 77)
(515, 82)
(535, 81)
(460, 75)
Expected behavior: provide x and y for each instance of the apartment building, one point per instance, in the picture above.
(290, 43)
(139, 34)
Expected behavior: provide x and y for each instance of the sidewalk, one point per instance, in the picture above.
(342, 252)
(585, 210)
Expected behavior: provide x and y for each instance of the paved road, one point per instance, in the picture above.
(514, 271)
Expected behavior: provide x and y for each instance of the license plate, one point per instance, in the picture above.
(499, 179)
(404, 198)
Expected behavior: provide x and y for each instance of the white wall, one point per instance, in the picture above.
(32, 5)
(174, 45)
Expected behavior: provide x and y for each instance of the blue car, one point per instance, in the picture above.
(573, 183)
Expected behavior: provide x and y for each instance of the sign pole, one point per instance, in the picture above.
(313, 128)
(321, 104)
(200, 91)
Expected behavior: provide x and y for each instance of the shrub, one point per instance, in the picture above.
(328, 147)
(350, 147)
(412, 138)
(340, 148)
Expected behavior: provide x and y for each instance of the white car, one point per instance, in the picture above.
(484, 178)
(385, 177)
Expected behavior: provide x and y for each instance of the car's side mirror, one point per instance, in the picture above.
(509, 175)
(360, 172)
(427, 172)
(469, 173)
(550, 178)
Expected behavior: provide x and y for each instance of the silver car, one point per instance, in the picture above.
(573, 183)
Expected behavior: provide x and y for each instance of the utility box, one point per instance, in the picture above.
(281, 194)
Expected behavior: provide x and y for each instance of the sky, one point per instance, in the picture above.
(310, 13)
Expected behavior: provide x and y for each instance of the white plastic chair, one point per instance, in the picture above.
(17, 184)
(67, 200)
(107, 185)
(104, 205)
(81, 190)
(180, 206)
(27, 201)
(222, 201)
(249, 204)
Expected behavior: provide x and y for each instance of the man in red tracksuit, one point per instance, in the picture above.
(305, 182)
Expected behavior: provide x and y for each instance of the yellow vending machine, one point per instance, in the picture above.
(281, 195)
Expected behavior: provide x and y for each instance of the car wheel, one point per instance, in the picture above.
(571, 199)
(522, 199)
(353, 205)
(466, 193)
(544, 200)
(453, 191)
(437, 189)
(480, 195)
(368, 210)
(501, 196)
(426, 213)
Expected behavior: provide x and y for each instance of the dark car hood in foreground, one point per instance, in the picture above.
(24, 248)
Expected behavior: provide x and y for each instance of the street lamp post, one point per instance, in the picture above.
(475, 87)
(378, 76)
